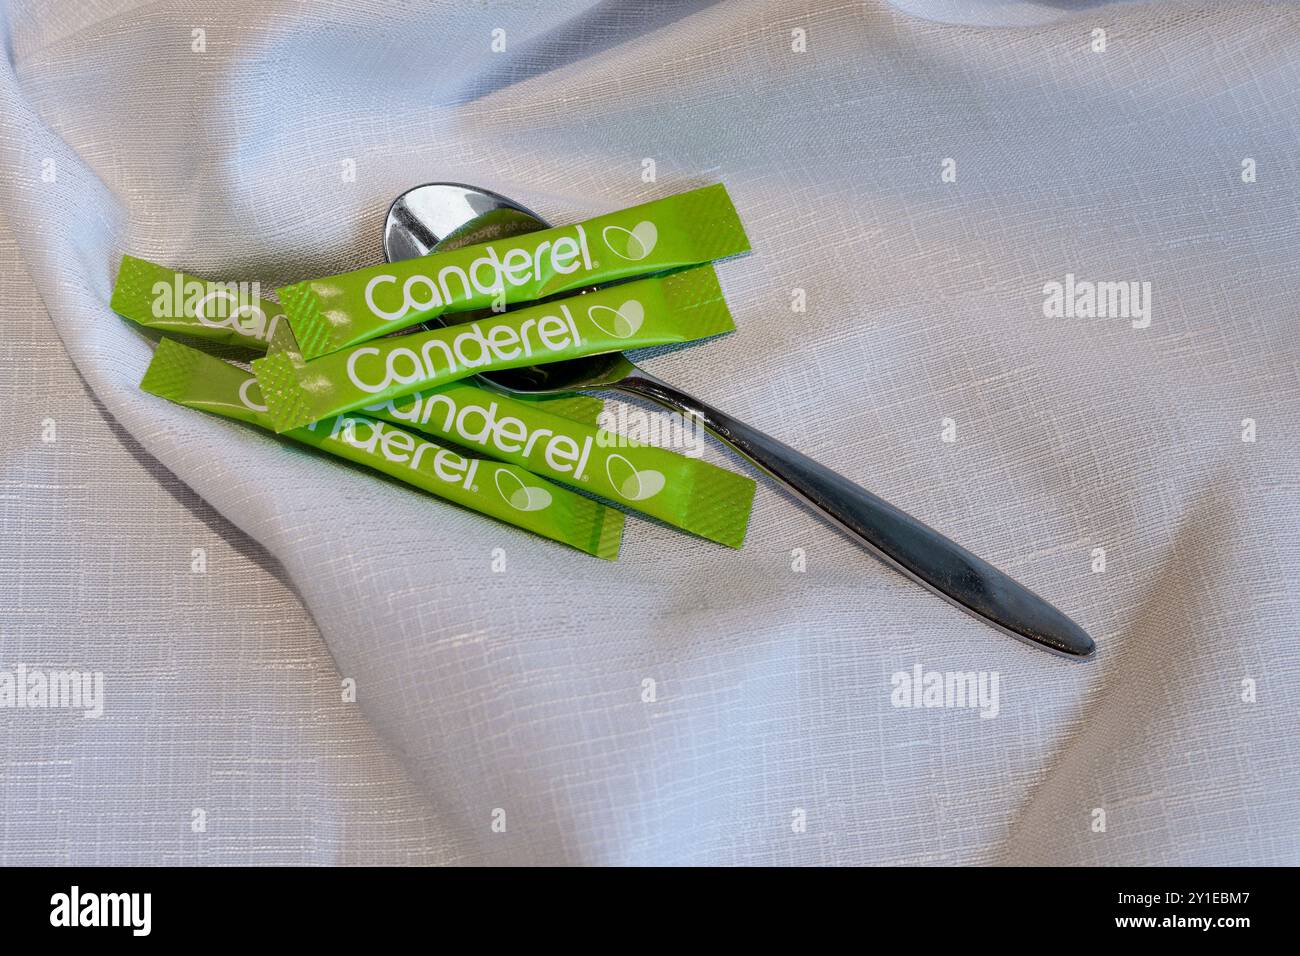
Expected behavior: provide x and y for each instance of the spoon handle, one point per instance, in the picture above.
(915, 549)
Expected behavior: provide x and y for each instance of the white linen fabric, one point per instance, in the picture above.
(921, 183)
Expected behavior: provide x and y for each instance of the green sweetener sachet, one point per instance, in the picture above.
(506, 492)
(229, 313)
(677, 489)
(680, 307)
(672, 233)
(181, 304)
(687, 493)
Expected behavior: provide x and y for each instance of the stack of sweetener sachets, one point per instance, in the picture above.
(336, 377)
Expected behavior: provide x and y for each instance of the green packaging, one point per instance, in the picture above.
(144, 287)
(680, 307)
(584, 409)
(231, 313)
(684, 492)
(506, 492)
(671, 233)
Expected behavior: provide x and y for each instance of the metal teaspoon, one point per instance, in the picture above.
(448, 215)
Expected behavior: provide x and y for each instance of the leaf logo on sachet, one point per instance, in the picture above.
(632, 244)
(632, 484)
(620, 323)
(521, 497)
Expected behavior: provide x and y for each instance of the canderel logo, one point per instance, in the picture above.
(403, 448)
(487, 275)
(562, 455)
(632, 244)
(483, 426)
(257, 326)
(631, 483)
(620, 323)
(215, 305)
(518, 495)
(446, 352)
